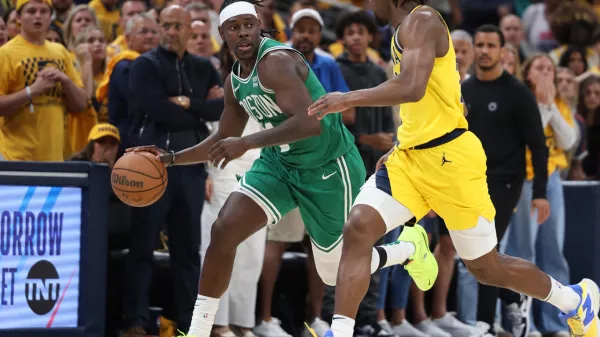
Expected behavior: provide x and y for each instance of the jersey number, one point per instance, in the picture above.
(282, 147)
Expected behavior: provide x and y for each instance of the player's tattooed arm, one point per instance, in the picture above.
(285, 72)
(232, 124)
(422, 38)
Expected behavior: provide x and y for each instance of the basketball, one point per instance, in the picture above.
(138, 179)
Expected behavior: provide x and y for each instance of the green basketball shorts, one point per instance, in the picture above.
(324, 195)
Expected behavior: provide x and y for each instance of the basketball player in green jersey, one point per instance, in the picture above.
(305, 163)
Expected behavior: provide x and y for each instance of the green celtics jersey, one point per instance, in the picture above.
(260, 103)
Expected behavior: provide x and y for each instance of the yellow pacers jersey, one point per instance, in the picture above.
(36, 135)
(440, 110)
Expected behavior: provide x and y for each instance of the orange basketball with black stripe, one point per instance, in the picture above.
(138, 179)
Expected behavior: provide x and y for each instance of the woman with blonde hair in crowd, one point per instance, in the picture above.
(566, 86)
(543, 243)
(90, 48)
(511, 61)
(79, 124)
(80, 17)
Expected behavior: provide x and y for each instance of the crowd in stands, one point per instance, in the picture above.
(84, 81)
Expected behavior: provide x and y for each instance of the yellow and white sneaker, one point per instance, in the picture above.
(583, 321)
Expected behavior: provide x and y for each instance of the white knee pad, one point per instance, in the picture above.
(475, 242)
(327, 263)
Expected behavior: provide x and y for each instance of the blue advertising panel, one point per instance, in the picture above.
(40, 236)
(53, 249)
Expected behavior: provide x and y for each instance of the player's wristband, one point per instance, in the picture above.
(172, 158)
(28, 91)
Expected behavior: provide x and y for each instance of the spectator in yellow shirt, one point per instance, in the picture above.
(78, 124)
(108, 17)
(129, 9)
(38, 84)
(90, 49)
(80, 17)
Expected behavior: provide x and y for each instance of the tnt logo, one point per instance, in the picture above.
(42, 287)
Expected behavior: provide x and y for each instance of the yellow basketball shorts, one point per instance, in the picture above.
(449, 178)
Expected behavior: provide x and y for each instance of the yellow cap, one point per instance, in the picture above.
(102, 130)
(21, 3)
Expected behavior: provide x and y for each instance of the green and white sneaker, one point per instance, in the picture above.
(421, 266)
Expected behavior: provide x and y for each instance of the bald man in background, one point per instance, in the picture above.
(200, 42)
(172, 94)
(512, 28)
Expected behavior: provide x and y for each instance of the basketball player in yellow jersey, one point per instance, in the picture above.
(437, 165)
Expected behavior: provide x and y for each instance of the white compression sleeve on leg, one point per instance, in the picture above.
(204, 316)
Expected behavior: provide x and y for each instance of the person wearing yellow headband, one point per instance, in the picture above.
(38, 84)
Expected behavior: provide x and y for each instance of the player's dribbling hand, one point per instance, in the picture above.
(227, 150)
(161, 155)
(543, 209)
(330, 103)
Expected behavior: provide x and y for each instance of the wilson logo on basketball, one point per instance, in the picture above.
(122, 180)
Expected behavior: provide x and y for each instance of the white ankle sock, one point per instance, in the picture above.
(391, 254)
(204, 316)
(342, 326)
(562, 297)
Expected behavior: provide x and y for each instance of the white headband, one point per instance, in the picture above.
(235, 9)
